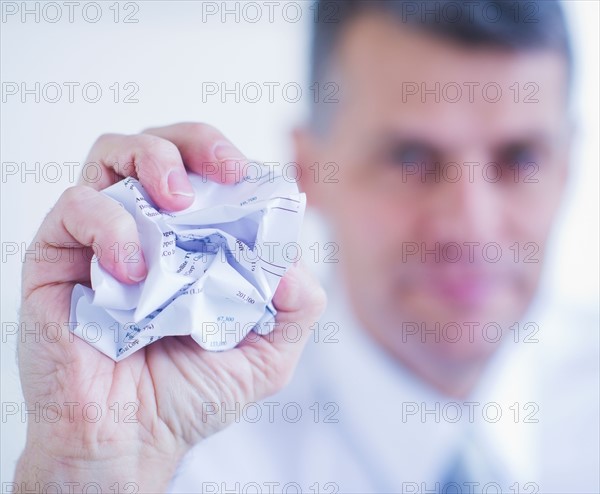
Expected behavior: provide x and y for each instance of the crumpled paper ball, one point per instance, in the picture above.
(213, 268)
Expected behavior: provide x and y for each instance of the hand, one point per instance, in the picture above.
(165, 383)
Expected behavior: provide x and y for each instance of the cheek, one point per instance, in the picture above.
(533, 211)
(371, 226)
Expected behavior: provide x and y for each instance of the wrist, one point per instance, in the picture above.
(41, 469)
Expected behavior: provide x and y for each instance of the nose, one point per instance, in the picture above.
(465, 206)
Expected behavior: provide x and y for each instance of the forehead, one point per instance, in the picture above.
(393, 75)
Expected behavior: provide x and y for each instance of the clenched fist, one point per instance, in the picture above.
(151, 403)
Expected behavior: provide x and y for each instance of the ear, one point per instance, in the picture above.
(566, 159)
(307, 157)
(571, 133)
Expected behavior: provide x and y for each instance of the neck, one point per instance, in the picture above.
(451, 376)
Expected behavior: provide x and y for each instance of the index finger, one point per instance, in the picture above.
(205, 150)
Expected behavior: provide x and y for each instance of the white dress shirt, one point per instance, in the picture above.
(367, 437)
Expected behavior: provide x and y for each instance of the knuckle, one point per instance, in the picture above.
(280, 374)
(75, 197)
(319, 299)
(142, 143)
(108, 218)
(201, 130)
(120, 223)
(315, 296)
(274, 375)
(152, 149)
(104, 138)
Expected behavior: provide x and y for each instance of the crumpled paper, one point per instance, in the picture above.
(212, 268)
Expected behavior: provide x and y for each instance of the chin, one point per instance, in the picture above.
(464, 352)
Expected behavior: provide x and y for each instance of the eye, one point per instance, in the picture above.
(411, 153)
(519, 155)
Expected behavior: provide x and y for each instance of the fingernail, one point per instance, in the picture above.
(136, 267)
(179, 184)
(228, 152)
(135, 277)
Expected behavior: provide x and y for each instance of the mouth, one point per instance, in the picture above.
(468, 292)
(463, 287)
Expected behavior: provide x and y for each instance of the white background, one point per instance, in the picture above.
(169, 53)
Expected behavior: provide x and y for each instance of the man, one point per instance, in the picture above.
(450, 146)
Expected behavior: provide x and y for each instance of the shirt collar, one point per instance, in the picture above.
(377, 398)
(382, 405)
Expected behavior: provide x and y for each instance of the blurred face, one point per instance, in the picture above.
(451, 166)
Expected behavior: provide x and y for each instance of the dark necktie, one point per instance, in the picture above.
(456, 480)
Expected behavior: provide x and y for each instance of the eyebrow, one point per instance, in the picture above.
(397, 139)
(538, 139)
